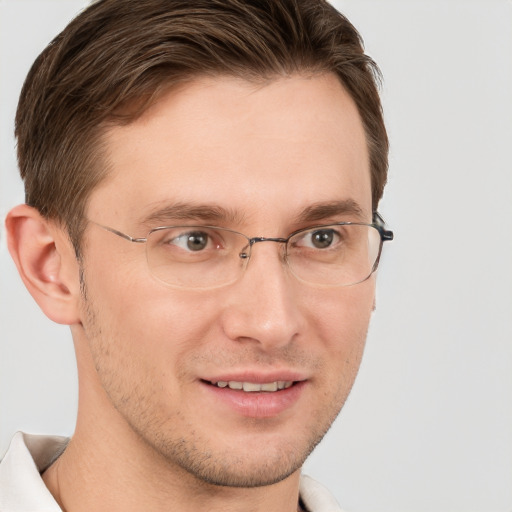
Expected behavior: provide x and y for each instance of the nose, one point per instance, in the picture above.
(263, 306)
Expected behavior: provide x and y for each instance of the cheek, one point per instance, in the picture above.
(342, 318)
(141, 337)
(343, 314)
(148, 324)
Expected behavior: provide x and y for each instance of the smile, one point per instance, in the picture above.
(255, 396)
(253, 387)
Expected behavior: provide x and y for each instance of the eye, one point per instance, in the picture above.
(318, 239)
(323, 238)
(192, 241)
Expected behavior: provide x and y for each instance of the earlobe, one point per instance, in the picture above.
(46, 263)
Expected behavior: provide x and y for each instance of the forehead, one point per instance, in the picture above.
(255, 149)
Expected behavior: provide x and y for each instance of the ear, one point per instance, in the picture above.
(46, 262)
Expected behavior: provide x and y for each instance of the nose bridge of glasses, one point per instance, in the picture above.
(258, 239)
(246, 251)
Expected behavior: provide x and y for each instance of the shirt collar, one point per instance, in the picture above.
(21, 486)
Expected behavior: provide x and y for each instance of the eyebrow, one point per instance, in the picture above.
(322, 211)
(185, 211)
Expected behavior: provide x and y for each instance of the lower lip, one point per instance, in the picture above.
(257, 404)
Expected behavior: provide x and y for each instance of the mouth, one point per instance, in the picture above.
(253, 387)
(256, 394)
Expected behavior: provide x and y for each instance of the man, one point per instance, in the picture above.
(202, 181)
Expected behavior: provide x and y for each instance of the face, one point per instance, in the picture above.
(263, 156)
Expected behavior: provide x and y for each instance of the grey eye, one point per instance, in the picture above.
(322, 238)
(196, 241)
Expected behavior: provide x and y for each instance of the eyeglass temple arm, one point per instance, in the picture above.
(119, 233)
(379, 223)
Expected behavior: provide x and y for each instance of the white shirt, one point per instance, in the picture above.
(23, 490)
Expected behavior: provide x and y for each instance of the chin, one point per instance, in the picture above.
(254, 462)
(246, 477)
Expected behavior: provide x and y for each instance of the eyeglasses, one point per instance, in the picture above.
(339, 254)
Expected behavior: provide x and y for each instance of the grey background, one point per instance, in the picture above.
(428, 426)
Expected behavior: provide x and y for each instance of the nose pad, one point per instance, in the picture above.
(245, 254)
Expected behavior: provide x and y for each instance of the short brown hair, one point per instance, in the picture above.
(121, 53)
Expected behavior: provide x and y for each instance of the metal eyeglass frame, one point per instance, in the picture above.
(378, 223)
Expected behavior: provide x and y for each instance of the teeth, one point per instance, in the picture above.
(271, 386)
(252, 387)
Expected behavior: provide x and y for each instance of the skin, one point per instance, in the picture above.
(149, 431)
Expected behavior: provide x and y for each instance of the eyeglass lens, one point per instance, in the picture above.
(206, 257)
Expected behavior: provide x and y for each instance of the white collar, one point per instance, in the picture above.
(21, 486)
(23, 490)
